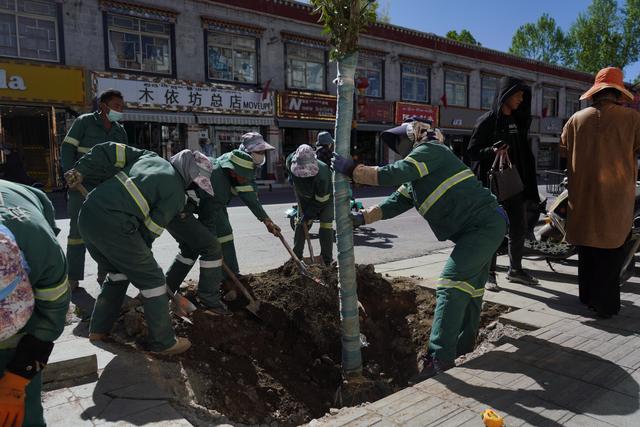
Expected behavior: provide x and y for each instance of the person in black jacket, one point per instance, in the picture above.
(508, 121)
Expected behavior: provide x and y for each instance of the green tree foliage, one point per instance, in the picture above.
(542, 41)
(464, 36)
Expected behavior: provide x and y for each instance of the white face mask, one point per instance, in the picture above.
(114, 116)
(258, 158)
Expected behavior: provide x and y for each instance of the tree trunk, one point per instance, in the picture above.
(351, 355)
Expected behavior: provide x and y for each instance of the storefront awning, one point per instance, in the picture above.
(550, 139)
(456, 131)
(306, 124)
(159, 116)
(374, 127)
(223, 119)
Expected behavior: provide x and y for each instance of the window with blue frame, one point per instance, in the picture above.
(415, 82)
(371, 67)
(305, 67)
(231, 57)
(29, 29)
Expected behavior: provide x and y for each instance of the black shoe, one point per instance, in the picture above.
(492, 283)
(431, 367)
(218, 310)
(522, 277)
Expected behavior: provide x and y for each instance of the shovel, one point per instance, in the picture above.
(313, 259)
(301, 265)
(184, 307)
(254, 306)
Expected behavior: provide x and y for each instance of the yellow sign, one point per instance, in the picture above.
(42, 83)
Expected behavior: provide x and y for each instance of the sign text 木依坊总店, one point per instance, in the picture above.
(294, 105)
(406, 110)
(41, 83)
(178, 95)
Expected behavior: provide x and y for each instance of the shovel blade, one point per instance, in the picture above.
(315, 260)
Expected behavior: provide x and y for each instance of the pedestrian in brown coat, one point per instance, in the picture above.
(601, 143)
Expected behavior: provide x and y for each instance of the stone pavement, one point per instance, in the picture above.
(571, 370)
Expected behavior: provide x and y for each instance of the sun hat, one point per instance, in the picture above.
(253, 141)
(240, 162)
(391, 137)
(194, 167)
(16, 295)
(304, 163)
(610, 77)
(324, 138)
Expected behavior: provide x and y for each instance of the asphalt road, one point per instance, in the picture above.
(405, 236)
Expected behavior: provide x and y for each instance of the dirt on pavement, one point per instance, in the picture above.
(284, 369)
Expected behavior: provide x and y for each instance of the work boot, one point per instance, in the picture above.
(492, 283)
(181, 345)
(73, 284)
(522, 277)
(431, 367)
(219, 309)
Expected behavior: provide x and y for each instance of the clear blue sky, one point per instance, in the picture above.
(492, 22)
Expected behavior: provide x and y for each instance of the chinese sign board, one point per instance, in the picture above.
(51, 84)
(374, 110)
(179, 95)
(406, 110)
(296, 105)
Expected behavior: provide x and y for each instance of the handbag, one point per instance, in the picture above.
(504, 179)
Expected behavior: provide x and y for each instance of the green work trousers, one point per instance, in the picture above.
(311, 212)
(196, 241)
(461, 287)
(33, 414)
(117, 244)
(75, 244)
(222, 229)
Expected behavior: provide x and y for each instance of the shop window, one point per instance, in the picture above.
(488, 92)
(139, 44)
(549, 103)
(415, 83)
(455, 87)
(305, 67)
(29, 29)
(572, 104)
(372, 69)
(231, 57)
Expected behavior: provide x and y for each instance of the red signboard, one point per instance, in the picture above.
(297, 105)
(374, 110)
(406, 110)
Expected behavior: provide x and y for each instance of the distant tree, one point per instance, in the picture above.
(605, 35)
(543, 41)
(464, 36)
(383, 11)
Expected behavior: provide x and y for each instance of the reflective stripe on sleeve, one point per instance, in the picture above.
(443, 188)
(461, 286)
(154, 292)
(83, 150)
(73, 242)
(135, 193)
(225, 239)
(403, 191)
(322, 199)
(422, 167)
(72, 141)
(185, 260)
(247, 164)
(211, 264)
(328, 225)
(244, 188)
(152, 226)
(52, 294)
(117, 277)
(121, 155)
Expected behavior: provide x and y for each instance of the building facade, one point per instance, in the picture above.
(220, 68)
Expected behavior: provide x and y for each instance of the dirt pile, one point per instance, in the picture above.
(285, 368)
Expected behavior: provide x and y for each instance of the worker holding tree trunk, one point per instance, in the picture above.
(34, 299)
(314, 190)
(458, 208)
(138, 194)
(210, 236)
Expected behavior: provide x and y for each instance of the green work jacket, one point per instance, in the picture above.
(315, 191)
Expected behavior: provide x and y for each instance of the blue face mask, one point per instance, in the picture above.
(114, 116)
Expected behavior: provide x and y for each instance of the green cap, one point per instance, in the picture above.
(240, 162)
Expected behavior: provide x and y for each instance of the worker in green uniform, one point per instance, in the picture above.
(210, 236)
(458, 208)
(34, 299)
(86, 131)
(314, 190)
(138, 193)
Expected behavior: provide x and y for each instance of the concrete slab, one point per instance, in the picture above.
(526, 318)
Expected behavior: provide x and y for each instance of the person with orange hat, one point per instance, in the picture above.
(601, 143)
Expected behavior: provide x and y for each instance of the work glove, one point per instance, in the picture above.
(272, 227)
(357, 218)
(12, 394)
(343, 165)
(73, 178)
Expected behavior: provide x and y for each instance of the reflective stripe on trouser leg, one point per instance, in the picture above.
(107, 307)
(33, 414)
(326, 233)
(178, 270)
(299, 240)
(130, 255)
(224, 232)
(460, 289)
(209, 282)
(75, 243)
